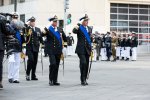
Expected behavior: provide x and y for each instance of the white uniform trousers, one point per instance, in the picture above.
(103, 54)
(13, 66)
(134, 53)
(64, 52)
(70, 50)
(127, 52)
(94, 55)
(118, 52)
(122, 52)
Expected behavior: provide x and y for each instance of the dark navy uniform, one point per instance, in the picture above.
(70, 42)
(134, 44)
(33, 40)
(108, 46)
(3, 32)
(83, 48)
(55, 38)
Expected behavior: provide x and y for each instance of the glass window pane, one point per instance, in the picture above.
(122, 23)
(123, 29)
(113, 10)
(132, 23)
(133, 17)
(113, 16)
(133, 11)
(123, 17)
(113, 23)
(114, 4)
(123, 10)
(133, 30)
(113, 28)
(143, 30)
(122, 5)
(143, 6)
(143, 11)
(133, 6)
(143, 24)
(143, 17)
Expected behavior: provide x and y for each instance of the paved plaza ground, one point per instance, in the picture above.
(119, 80)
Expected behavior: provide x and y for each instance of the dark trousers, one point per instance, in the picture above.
(54, 67)
(84, 66)
(32, 63)
(1, 64)
(108, 51)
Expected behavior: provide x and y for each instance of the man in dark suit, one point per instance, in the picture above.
(2, 47)
(83, 48)
(70, 42)
(55, 38)
(134, 44)
(33, 40)
(108, 45)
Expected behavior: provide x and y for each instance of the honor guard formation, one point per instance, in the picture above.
(24, 41)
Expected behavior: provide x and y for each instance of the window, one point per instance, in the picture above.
(143, 6)
(130, 17)
(133, 6)
(123, 17)
(113, 10)
(143, 11)
(123, 29)
(143, 24)
(133, 17)
(143, 30)
(123, 10)
(133, 11)
(22, 17)
(122, 5)
(122, 23)
(113, 23)
(113, 16)
(1, 2)
(133, 30)
(133, 23)
(113, 28)
(143, 18)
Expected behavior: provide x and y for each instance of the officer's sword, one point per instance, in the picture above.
(63, 59)
(42, 60)
(25, 67)
(90, 65)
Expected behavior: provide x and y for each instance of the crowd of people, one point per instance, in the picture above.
(119, 46)
(26, 40)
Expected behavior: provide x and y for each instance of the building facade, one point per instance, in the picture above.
(123, 16)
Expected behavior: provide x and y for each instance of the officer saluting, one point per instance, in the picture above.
(55, 38)
(83, 48)
(33, 40)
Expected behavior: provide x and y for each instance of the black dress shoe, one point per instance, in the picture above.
(35, 79)
(10, 80)
(57, 84)
(83, 83)
(51, 84)
(127, 59)
(27, 78)
(117, 58)
(1, 86)
(16, 81)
